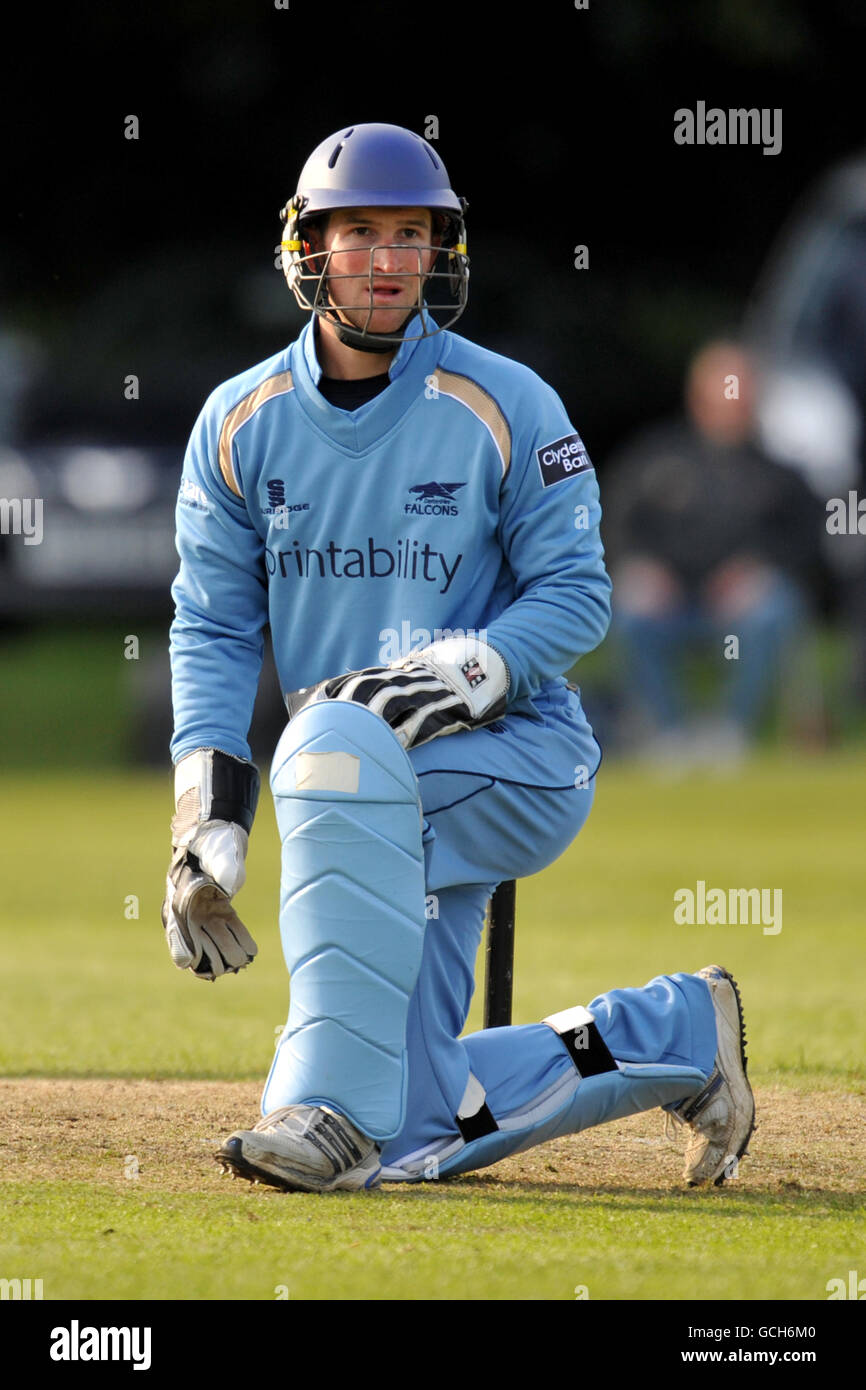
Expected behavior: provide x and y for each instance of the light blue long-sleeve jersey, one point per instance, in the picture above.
(458, 499)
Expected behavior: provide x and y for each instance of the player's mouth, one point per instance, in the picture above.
(387, 294)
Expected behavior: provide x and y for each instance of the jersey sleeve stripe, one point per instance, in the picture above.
(482, 405)
(274, 386)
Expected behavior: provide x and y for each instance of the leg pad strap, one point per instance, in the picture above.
(579, 1035)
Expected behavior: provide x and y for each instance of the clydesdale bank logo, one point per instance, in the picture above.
(737, 126)
(561, 459)
(433, 499)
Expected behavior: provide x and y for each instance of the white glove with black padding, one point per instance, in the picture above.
(454, 684)
(216, 796)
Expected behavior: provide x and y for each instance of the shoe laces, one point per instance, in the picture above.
(275, 1118)
(673, 1124)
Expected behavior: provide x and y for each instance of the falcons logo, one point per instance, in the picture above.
(438, 492)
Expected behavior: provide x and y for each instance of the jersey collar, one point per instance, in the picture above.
(403, 356)
(364, 428)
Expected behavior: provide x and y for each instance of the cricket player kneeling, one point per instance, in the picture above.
(373, 1080)
(352, 926)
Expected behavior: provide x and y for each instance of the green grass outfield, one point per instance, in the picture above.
(89, 991)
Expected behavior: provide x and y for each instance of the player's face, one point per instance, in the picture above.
(383, 253)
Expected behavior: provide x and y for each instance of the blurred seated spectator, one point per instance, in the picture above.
(712, 546)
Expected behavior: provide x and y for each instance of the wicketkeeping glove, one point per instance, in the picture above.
(215, 800)
(458, 683)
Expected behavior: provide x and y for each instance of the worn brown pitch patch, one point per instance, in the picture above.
(164, 1133)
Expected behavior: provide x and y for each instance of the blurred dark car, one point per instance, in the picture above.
(105, 540)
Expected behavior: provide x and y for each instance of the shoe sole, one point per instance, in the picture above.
(744, 1062)
(231, 1159)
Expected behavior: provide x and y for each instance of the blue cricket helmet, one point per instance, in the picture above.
(375, 165)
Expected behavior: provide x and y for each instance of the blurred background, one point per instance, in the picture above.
(709, 341)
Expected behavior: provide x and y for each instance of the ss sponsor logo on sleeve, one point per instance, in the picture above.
(561, 459)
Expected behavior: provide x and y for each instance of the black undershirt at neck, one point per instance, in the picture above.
(350, 395)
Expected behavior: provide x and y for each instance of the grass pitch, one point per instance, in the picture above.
(122, 1074)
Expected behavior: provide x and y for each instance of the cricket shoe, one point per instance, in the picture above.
(303, 1148)
(722, 1115)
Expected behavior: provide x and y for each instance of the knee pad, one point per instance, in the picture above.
(352, 915)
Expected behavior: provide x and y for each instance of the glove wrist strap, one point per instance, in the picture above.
(212, 785)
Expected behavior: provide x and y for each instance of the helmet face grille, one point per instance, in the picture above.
(317, 287)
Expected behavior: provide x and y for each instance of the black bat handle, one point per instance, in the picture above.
(499, 966)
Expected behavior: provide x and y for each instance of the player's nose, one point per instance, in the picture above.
(394, 259)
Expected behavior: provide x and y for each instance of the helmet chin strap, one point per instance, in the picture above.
(369, 342)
